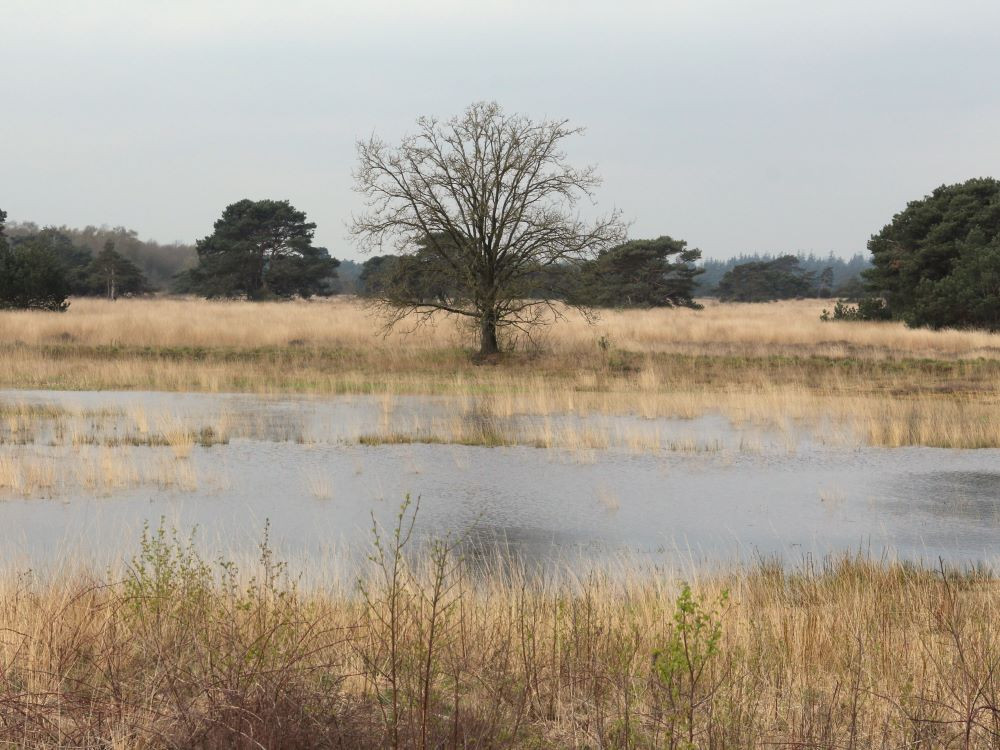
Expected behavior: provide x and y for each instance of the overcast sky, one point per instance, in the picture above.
(734, 124)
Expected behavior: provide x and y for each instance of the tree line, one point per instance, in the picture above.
(477, 216)
(38, 271)
(159, 263)
(264, 249)
(821, 275)
(639, 273)
(112, 262)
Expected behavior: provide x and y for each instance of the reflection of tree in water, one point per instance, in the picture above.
(508, 550)
(954, 495)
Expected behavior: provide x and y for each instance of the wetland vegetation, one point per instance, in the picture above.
(888, 384)
(171, 649)
(671, 523)
(441, 644)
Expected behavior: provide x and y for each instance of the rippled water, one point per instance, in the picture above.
(297, 463)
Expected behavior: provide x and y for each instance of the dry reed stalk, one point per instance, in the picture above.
(772, 365)
(853, 653)
(731, 328)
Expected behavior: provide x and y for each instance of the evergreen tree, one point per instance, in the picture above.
(112, 275)
(31, 277)
(764, 281)
(72, 259)
(641, 273)
(846, 271)
(260, 249)
(937, 263)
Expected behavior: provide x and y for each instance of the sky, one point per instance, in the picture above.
(737, 125)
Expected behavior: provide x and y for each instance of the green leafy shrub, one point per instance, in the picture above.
(682, 666)
(867, 309)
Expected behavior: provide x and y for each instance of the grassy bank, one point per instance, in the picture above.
(175, 652)
(791, 327)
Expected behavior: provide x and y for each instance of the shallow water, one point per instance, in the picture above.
(296, 463)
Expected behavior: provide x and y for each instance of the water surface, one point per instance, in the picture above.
(296, 463)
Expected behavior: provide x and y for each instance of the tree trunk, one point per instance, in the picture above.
(488, 343)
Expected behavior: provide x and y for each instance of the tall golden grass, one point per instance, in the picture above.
(432, 653)
(747, 329)
(91, 470)
(778, 364)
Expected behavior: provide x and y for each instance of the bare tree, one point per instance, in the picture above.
(484, 204)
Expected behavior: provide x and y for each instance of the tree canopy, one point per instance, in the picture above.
(113, 275)
(261, 249)
(937, 263)
(60, 249)
(481, 203)
(85, 274)
(845, 281)
(159, 263)
(765, 281)
(31, 277)
(641, 273)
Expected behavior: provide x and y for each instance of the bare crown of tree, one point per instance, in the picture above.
(488, 202)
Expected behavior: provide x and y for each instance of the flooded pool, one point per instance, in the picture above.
(702, 489)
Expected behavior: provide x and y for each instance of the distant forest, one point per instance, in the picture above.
(161, 263)
(843, 270)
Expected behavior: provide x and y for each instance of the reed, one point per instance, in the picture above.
(343, 323)
(92, 470)
(429, 651)
(772, 364)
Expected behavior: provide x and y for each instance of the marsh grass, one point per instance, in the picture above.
(774, 365)
(477, 427)
(429, 651)
(193, 329)
(51, 451)
(883, 384)
(93, 470)
(28, 423)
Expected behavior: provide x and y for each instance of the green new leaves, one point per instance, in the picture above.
(682, 665)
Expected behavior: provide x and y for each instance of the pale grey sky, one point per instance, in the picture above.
(736, 125)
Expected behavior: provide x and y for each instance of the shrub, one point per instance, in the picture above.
(682, 665)
(867, 309)
(31, 279)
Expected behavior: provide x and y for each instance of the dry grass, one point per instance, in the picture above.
(748, 330)
(93, 470)
(171, 651)
(436, 654)
(774, 364)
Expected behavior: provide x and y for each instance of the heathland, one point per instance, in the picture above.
(771, 363)
(435, 647)
(173, 652)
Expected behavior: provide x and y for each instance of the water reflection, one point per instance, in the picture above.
(972, 494)
(293, 461)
